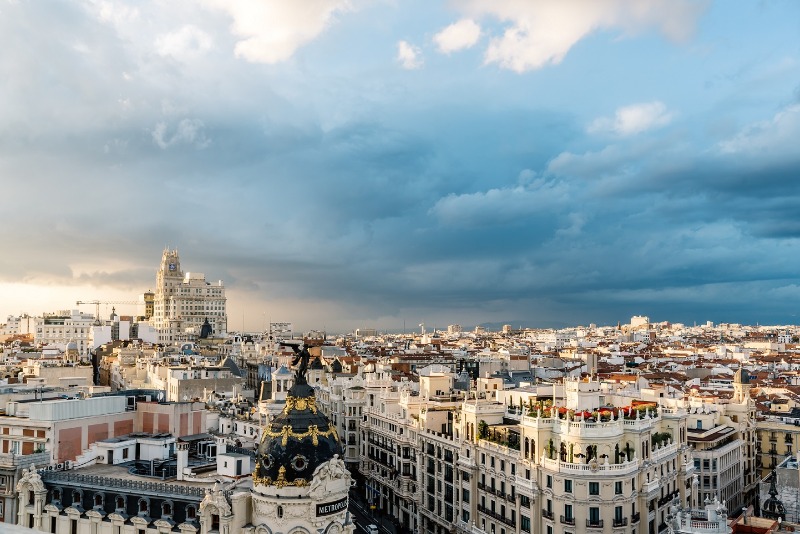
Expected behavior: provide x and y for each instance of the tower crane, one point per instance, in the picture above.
(97, 304)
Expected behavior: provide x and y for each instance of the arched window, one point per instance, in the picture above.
(56, 498)
(120, 502)
(144, 506)
(166, 509)
(191, 513)
(280, 512)
(98, 500)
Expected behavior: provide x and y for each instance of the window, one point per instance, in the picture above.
(124, 453)
(567, 486)
(594, 488)
(618, 487)
(525, 523)
(549, 481)
(594, 514)
(568, 511)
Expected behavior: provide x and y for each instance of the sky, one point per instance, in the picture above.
(346, 164)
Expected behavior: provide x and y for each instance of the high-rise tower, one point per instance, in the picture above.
(184, 301)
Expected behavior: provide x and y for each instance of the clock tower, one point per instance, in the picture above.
(184, 302)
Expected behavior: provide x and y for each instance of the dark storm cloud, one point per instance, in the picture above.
(378, 193)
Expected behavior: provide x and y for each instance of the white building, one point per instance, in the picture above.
(62, 327)
(15, 326)
(185, 301)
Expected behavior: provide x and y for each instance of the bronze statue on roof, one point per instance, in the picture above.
(302, 358)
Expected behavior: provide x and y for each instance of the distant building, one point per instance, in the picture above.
(184, 301)
(61, 327)
(366, 332)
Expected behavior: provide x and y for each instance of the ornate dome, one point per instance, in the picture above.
(297, 441)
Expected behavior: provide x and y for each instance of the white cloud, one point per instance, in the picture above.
(633, 119)
(501, 205)
(541, 33)
(777, 135)
(272, 30)
(409, 56)
(186, 43)
(188, 132)
(459, 35)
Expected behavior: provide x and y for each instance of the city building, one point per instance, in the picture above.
(184, 302)
(65, 326)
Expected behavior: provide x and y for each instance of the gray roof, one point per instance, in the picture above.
(230, 364)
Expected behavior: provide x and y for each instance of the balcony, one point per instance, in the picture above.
(594, 523)
(635, 518)
(525, 484)
(651, 488)
(567, 520)
(620, 522)
(495, 515)
(468, 528)
(547, 515)
(11, 460)
(620, 469)
(666, 499)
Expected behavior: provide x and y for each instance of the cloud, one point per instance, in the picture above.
(542, 33)
(187, 132)
(777, 135)
(409, 56)
(633, 119)
(502, 205)
(186, 43)
(459, 35)
(271, 31)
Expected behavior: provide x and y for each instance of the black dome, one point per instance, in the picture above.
(296, 442)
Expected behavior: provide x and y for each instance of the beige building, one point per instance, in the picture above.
(777, 437)
(574, 461)
(184, 301)
(62, 327)
(580, 456)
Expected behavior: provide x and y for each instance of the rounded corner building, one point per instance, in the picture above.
(300, 483)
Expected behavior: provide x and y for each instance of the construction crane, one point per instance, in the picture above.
(97, 304)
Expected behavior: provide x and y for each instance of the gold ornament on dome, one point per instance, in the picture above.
(281, 481)
(313, 431)
(300, 403)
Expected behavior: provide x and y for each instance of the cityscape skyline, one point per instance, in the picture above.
(375, 164)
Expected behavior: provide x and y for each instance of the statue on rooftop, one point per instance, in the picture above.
(302, 358)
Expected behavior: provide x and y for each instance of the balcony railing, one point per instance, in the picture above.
(567, 520)
(495, 515)
(635, 517)
(668, 498)
(594, 523)
(546, 514)
(620, 522)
